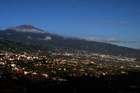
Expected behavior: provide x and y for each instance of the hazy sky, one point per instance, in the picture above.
(115, 21)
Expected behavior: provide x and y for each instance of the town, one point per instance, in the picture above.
(59, 66)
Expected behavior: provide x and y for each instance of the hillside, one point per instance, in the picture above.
(44, 40)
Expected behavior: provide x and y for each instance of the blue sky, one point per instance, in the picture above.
(113, 21)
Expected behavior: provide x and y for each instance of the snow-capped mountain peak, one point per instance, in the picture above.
(27, 28)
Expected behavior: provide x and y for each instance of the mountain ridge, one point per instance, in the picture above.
(26, 28)
(49, 41)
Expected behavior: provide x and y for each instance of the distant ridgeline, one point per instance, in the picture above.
(26, 37)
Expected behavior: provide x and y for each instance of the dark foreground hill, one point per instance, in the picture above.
(110, 84)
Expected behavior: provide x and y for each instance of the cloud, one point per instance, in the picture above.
(118, 41)
(114, 40)
(29, 37)
(48, 38)
(109, 40)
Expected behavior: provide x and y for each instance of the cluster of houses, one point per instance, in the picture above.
(66, 63)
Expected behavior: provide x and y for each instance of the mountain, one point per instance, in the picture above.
(26, 28)
(6, 45)
(44, 41)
